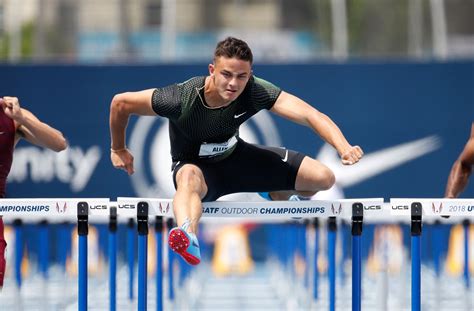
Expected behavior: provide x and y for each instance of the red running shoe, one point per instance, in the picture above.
(185, 245)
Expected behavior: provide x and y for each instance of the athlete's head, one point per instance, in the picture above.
(232, 47)
(232, 68)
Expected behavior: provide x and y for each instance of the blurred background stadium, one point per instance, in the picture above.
(277, 30)
(396, 75)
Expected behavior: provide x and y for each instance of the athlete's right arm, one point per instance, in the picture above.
(123, 105)
(461, 170)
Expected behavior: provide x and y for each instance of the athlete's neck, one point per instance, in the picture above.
(211, 96)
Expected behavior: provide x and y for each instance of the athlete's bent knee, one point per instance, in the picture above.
(327, 179)
(189, 177)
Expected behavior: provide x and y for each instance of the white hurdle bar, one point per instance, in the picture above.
(83, 210)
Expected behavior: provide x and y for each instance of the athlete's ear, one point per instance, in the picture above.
(211, 69)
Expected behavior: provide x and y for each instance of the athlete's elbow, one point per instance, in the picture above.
(465, 169)
(61, 143)
(119, 104)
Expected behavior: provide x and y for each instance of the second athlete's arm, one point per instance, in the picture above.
(30, 128)
(461, 170)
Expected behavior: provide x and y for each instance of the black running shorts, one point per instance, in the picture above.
(250, 168)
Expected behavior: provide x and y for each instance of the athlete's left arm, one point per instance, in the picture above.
(39, 133)
(29, 127)
(293, 108)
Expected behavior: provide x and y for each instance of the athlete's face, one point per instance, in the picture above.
(230, 75)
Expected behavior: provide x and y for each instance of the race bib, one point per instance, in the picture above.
(212, 150)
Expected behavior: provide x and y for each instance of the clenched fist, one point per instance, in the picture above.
(352, 155)
(11, 107)
(122, 159)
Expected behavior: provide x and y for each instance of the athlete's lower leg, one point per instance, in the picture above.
(187, 208)
(187, 205)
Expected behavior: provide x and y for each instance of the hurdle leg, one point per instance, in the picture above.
(416, 223)
(304, 251)
(466, 224)
(169, 224)
(44, 250)
(64, 244)
(437, 265)
(332, 230)
(142, 226)
(467, 277)
(131, 256)
(82, 231)
(159, 262)
(316, 254)
(357, 218)
(18, 227)
(112, 258)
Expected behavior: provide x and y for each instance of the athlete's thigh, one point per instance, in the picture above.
(253, 168)
(208, 173)
(313, 176)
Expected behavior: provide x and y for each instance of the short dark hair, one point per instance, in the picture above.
(233, 47)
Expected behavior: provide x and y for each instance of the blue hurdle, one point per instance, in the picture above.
(82, 231)
(357, 219)
(416, 222)
(316, 254)
(467, 278)
(113, 258)
(159, 262)
(142, 226)
(131, 256)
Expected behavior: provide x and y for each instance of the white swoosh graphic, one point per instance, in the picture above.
(286, 156)
(239, 115)
(377, 162)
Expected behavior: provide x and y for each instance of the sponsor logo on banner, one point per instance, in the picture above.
(164, 209)
(126, 206)
(61, 207)
(400, 207)
(336, 210)
(437, 209)
(99, 206)
(372, 207)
